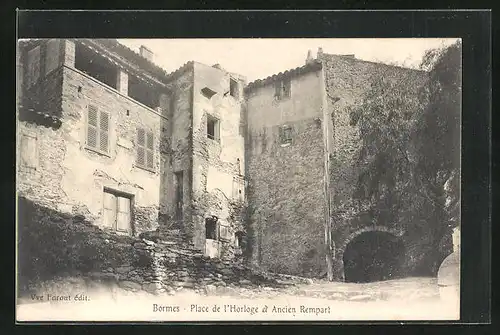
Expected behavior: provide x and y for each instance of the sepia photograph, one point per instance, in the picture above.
(238, 179)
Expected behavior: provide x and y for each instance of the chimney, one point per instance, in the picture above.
(320, 52)
(217, 66)
(309, 58)
(146, 53)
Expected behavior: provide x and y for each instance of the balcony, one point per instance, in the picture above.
(100, 68)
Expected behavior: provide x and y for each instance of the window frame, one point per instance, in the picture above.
(234, 88)
(97, 149)
(146, 149)
(286, 140)
(117, 195)
(283, 89)
(216, 137)
(215, 221)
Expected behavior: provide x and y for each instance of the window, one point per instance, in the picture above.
(95, 65)
(238, 239)
(97, 130)
(207, 92)
(211, 231)
(179, 194)
(238, 186)
(283, 89)
(33, 71)
(145, 149)
(29, 152)
(286, 135)
(117, 212)
(51, 56)
(233, 88)
(213, 128)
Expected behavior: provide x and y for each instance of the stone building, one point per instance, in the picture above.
(234, 167)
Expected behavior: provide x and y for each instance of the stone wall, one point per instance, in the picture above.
(346, 81)
(286, 183)
(218, 164)
(71, 246)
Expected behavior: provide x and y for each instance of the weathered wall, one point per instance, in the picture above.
(286, 185)
(346, 80)
(71, 177)
(177, 149)
(218, 165)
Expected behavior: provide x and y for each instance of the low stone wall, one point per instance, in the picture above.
(55, 245)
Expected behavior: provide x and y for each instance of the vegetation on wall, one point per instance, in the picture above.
(409, 159)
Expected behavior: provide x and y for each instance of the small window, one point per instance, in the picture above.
(286, 135)
(97, 130)
(29, 151)
(213, 128)
(238, 239)
(287, 88)
(208, 93)
(145, 149)
(33, 62)
(211, 231)
(233, 88)
(283, 89)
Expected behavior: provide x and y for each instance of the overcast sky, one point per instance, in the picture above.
(258, 58)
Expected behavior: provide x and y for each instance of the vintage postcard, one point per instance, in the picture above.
(238, 179)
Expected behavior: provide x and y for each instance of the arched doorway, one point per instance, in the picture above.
(373, 256)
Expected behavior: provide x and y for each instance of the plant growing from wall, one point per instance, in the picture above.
(409, 126)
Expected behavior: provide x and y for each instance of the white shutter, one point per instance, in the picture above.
(109, 215)
(123, 214)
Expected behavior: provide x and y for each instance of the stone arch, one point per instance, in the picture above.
(391, 236)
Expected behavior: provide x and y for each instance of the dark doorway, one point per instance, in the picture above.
(373, 256)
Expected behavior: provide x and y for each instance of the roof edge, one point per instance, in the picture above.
(312, 66)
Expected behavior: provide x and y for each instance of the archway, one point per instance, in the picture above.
(373, 256)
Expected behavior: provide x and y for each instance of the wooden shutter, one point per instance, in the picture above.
(287, 88)
(141, 144)
(123, 214)
(33, 66)
(92, 129)
(109, 215)
(104, 132)
(277, 89)
(149, 151)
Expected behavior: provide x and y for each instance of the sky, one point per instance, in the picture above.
(258, 58)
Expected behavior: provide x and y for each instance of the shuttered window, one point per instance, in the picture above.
(97, 129)
(117, 212)
(145, 149)
(286, 135)
(52, 56)
(33, 63)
